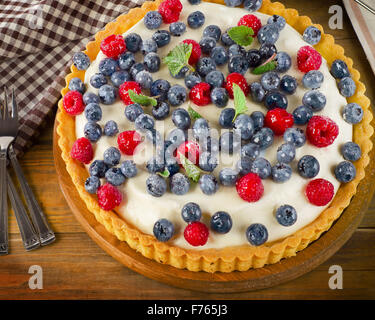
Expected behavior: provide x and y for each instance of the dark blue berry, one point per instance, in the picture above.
(208, 184)
(155, 165)
(238, 64)
(110, 128)
(107, 94)
(192, 79)
(261, 167)
(221, 222)
(267, 50)
(226, 118)
(207, 161)
(278, 21)
(108, 66)
(230, 142)
(93, 112)
(205, 65)
(161, 110)
(308, 167)
(97, 80)
(302, 115)
(76, 84)
(244, 165)
(193, 2)
(284, 62)
(275, 99)
(159, 89)
(115, 177)
(233, 3)
(263, 138)
(154, 136)
(268, 34)
(177, 29)
(244, 126)
(250, 150)
(133, 42)
(315, 100)
(212, 31)
(352, 113)
(215, 79)
(236, 50)
(312, 35)
(126, 60)
(219, 55)
(98, 168)
(129, 169)
(286, 153)
(144, 78)
(90, 97)
(288, 84)
(313, 79)
(201, 129)
(153, 20)
(281, 172)
(286, 215)
(295, 136)
(351, 151)
(177, 136)
(144, 122)
(257, 234)
(163, 230)
(191, 212)
(156, 185)
(172, 165)
(254, 58)
(228, 177)
(92, 184)
(148, 45)
(119, 77)
(196, 19)
(207, 44)
(179, 184)
(258, 119)
(162, 38)
(339, 69)
(219, 97)
(270, 81)
(181, 119)
(177, 95)
(81, 60)
(347, 87)
(112, 156)
(345, 172)
(152, 62)
(257, 92)
(132, 111)
(226, 40)
(92, 131)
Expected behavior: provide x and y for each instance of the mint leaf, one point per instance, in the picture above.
(193, 114)
(191, 169)
(142, 99)
(242, 35)
(239, 100)
(164, 174)
(178, 58)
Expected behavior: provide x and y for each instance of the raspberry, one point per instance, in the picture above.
(123, 91)
(128, 141)
(278, 120)
(238, 79)
(113, 46)
(170, 10)
(195, 53)
(82, 151)
(319, 192)
(250, 187)
(308, 59)
(190, 149)
(73, 103)
(200, 94)
(109, 197)
(251, 21)
(196, 233)
(321, 131)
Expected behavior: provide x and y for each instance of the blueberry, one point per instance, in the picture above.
(345, 172)
(92, 131)
(258, 119)
(152, 62)
(207, 44)
(92, 184)
(153, 20)
(156, 185)
(144, 122)
(144, 78)
(267, 50)
(254, 58)
(257, 92)
(352, 113)
(207, 161)
(244, 126)
(252, 5)
(115, 177)
(110, 128)
(312, 35)
(257, 234)
(177, 136)
(181, 119)
(194, 1)
(278, 21)
(132, 111)
(219, 97)
(112, 156)
(236, 50)
(288, 84)
(208, 184)
(347, 87)
(162, 38)
(215, 79)
(97, 80)
(148, 45)
(177, 95)
(228, 177)
(172, 165)
(295, 136)
(119, 77)
(191, 212)
(221, 222)
(219, 55)
(263, 138)
(210, 144)
(250, 150)
(268, 34)
(90, 97)
(201, 129)
(230, 142)
(308, 167)
(161, 110)
(136, 68)
(315, 100)
(81, 61)
(226, 40)
(238, 64)
(107, 94)
(93, 112)
(163, 230)
(351, 151)
(192, 79)
(205, 65)
(275, 99)
(159, 89)
(212, 31)
(155, 165)
(179, 184)
(339, 69)
(177, 29)
(76, 84)
(196, 19)
(98, 168)
(154, 136)
(226, 118)
(108, 66)
(281, 172)
(270, 81)
(181, 74)
(244, 165)
(233, 3)
(302, 115)
(286, 153)
(313, 79)
(126, 60)
(284, 62)
(133, 42)
(261, 167)
(129, 169)
(286, 215)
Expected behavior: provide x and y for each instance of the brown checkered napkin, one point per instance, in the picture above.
(37, 41)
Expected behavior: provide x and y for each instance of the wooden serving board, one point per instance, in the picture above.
(254, 279)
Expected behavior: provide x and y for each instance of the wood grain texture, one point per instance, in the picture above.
(75, 267)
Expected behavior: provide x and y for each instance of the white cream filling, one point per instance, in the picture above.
(143, 210)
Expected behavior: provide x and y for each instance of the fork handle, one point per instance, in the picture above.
(39, 220)
(3, 204)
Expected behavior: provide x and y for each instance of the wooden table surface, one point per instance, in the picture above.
(74, 267)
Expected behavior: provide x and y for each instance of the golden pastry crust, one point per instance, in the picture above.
(240, 258)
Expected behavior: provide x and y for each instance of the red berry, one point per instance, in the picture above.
(123, 91)
(73, 103)
(82, 151)
(250, 187)
(170, 10)
(113, 45)
(109, 197)
(238, 79)
(319, 192)
(190, 149)
(200, 94)
(251, 21)
(128, 141)
(321, 131)
(196, 51)
(278, 120)
(308, 59)
(196, 233)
